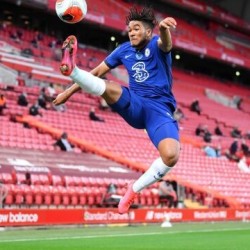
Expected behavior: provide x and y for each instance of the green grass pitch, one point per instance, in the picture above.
(182, 236)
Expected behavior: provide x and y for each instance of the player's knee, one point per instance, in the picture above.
(170, 157)
(169, 150)
(112, 93)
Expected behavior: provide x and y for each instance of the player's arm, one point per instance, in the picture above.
(99, 71)
(165, 41)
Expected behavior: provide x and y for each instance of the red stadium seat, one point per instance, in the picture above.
(38, 195)
(28, 195)
(73, 194)
(6, 178)
(47, 194)
(57, 180)
(82, 193)
(57, 196)
(19, 194)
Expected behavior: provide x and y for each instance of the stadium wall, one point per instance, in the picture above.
(50, 217)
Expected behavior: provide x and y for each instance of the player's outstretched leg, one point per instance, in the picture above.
(127, 200)
(156, 172)
(69, 49)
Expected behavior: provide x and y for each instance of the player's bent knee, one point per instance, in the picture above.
(170, 154)
(170, 158)
(112, 93)
(169, 150)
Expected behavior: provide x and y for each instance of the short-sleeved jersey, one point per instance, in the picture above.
(149, 70)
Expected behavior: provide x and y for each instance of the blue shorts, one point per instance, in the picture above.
(145, 113)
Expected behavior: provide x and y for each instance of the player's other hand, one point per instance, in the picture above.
(61, 98)
(168, 23)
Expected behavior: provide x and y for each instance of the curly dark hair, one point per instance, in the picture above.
(145, 15)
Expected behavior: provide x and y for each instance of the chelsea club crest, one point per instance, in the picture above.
(147, 52)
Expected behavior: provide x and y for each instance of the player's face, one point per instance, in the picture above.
(138, 34)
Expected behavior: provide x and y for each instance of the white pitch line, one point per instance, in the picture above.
(123, 235)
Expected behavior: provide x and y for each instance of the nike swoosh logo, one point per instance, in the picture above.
(127, 56)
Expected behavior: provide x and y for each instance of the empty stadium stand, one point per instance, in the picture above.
(80, 178)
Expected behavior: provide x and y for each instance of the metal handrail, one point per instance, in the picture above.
(3, 194)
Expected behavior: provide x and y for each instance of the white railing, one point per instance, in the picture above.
(3, 194)
(7, 75)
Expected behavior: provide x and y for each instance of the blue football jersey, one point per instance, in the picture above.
(149, 70)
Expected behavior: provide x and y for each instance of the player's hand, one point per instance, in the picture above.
(168, 23)
(61, 98)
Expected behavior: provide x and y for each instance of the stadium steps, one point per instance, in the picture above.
(193, 204)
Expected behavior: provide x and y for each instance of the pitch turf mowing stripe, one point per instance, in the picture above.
(124, 235)
(182, 236)
(227, 240)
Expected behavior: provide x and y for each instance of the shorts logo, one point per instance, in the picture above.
(141, 74)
